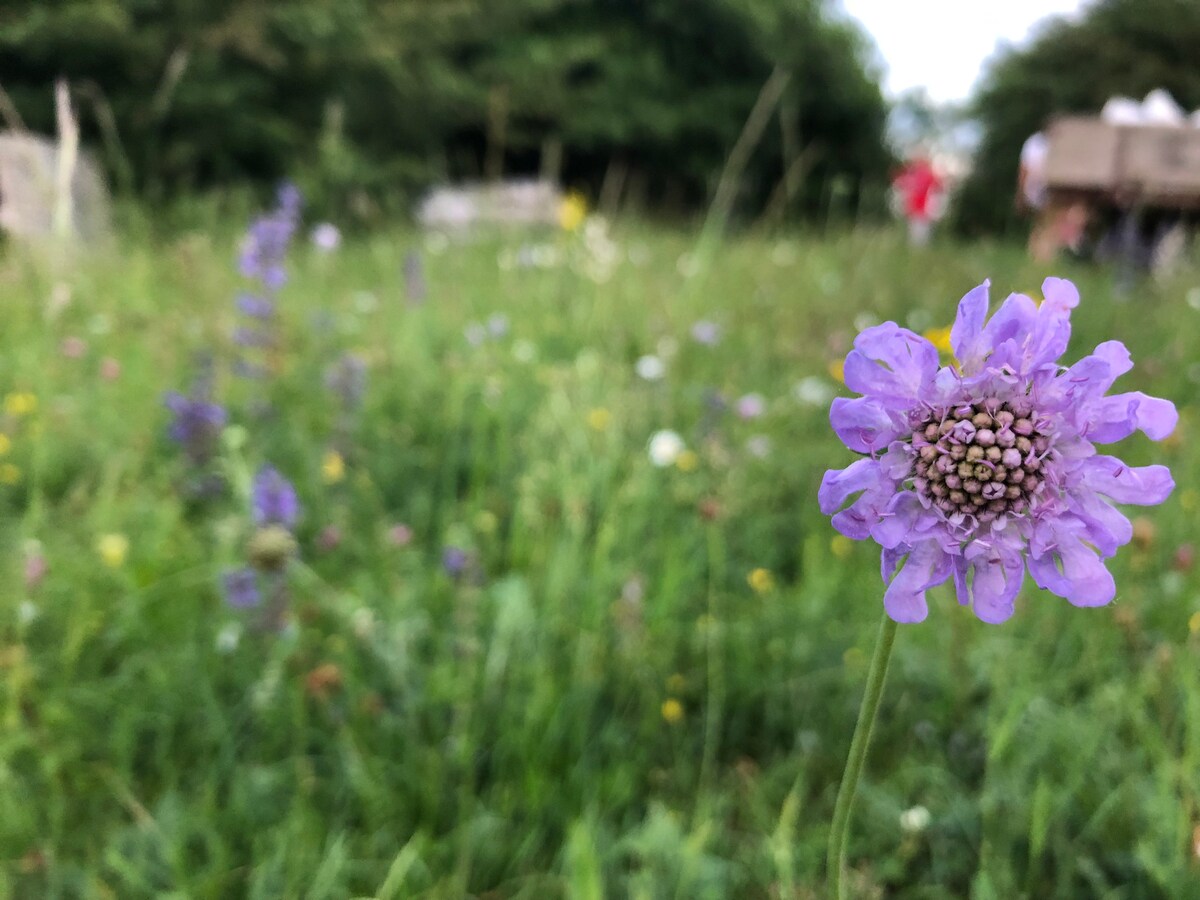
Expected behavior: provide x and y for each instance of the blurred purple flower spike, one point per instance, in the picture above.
(273, 499)
(240, 588)
(455, 561)
(984, 470)
(197, 423)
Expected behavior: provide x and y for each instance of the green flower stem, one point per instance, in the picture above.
(840, 829)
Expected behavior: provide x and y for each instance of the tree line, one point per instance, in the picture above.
(367, 102)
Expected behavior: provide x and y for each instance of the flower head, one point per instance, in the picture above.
(672, 711)
(197, 422)
(572, 210)
(985, 470)
(326, 237)
(273, 499)
(113, 548)
(240, 588)
(706, 332)
(751, 406)
(455, 561)
(650, 368)
(665, 447)
(19, 404)
(333, 467)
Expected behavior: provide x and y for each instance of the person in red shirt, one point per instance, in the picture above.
(918, 189)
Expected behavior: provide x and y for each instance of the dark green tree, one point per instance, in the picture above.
(378, 98)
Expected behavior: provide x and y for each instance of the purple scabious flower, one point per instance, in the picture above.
(987, 469)
(273, 499)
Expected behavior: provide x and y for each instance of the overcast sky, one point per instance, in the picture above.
(941, 44)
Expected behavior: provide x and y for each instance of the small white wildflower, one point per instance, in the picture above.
(706, 332)
(475, 333)
(326, 237)
(228, 638)
(650, 368)
(664, 448)
(813, 391)
(1193, 298)
(27, 611)
(1173, 583)
(497, 325)
(759, 446)
(914, 820)
(524, 351)
(751, 406)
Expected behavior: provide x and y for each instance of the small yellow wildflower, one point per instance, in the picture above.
(572, 211)
(599, 419)
(20, 403)
(761, 580)
(9, 474)
(333, 467)
(940, 338)
(5, 444)
(676, 683)
(1194, 623)
(113, 548)
(485, 521)
(687, 461)
(672, 711)
(837, 371)
(841, 546)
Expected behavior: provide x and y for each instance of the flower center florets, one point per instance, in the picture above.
(984, 459)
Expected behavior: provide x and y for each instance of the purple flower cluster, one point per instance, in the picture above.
(273, 500)
(987, 469)
(274, 510)
(263, 260)
(197, 421)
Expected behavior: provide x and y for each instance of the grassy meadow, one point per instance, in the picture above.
(636, 680)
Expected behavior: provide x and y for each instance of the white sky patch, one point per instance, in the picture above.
(941, 45)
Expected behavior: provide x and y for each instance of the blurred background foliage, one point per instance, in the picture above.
(371, 100)
(367, 102)
(1116, 47)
